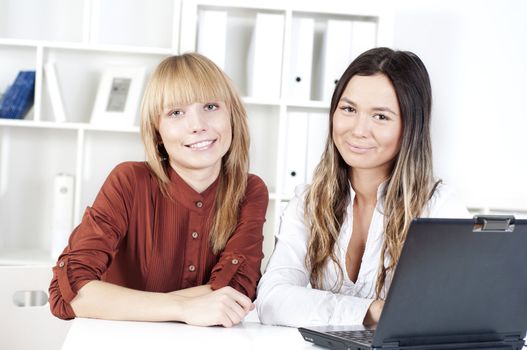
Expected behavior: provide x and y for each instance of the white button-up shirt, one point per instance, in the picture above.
(284, 294)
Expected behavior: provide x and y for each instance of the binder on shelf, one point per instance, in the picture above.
(335, 55)
(62, 223)
(54, 92)
(212, 35)
(302, 38)
(317, 132)
(18, 98)
(295, 152)
(282, 206)
(264, 62)
(363, 37)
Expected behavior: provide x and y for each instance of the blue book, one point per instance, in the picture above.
(19, 97)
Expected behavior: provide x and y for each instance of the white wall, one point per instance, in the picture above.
(476, 54)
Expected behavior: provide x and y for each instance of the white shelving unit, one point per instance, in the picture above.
(82, 37)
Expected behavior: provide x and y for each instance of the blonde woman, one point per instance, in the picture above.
(178, 237)
(340, 238)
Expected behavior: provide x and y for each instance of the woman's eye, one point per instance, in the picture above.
(211, 106)
(347, 109)
(380, 117)
(177, 113)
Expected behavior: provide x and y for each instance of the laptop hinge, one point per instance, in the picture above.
(494, 223)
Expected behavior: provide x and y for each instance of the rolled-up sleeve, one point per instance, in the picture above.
(240, 261)
(94, 243)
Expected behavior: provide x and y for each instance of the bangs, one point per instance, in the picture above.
(190, 81)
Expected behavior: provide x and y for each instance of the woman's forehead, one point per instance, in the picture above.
(372, 92)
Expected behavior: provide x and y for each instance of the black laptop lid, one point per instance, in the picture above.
(456, 277)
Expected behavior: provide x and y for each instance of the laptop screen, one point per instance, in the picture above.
(458, 277)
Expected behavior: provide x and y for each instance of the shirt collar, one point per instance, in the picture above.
(182, 192)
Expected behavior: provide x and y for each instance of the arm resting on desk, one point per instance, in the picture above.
(196, 306)
(193, 291)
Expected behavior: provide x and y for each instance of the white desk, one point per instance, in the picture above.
(93, 334)
(89, 334)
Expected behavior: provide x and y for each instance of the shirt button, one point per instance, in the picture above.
(234, 261)
(199, 204)
(61, 264)
(192, 268)
(194, 235)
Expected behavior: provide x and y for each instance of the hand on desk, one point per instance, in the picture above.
(225, 306)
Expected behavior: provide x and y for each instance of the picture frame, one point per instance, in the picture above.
(118, 95)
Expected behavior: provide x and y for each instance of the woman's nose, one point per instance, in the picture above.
(196, 121)
(361, 126)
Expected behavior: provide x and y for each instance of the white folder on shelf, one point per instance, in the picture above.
(295, 152)
(283, 206)
(364, 37)
(55, 97)
(335, 55)
(62, 224)
(302, 38)
(212, 35)
(317, 133)
(264, 61)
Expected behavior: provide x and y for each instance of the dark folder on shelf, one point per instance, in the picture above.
(18, 98)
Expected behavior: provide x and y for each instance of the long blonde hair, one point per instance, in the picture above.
(182, 80)
(410, 184)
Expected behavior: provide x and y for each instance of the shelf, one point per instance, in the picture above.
(88, 47)
(94, 127)
(239, 5)
(20, 42)
(109, 48)
(65, 126)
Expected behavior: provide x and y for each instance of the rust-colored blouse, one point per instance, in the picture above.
(136, 237)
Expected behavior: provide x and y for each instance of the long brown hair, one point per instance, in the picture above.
(409, 185)
(185, 79)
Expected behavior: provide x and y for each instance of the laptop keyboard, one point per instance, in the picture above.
(365, 336)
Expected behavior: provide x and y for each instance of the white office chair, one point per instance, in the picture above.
(25, 319)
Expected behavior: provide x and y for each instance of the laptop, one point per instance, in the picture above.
(459, 284)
